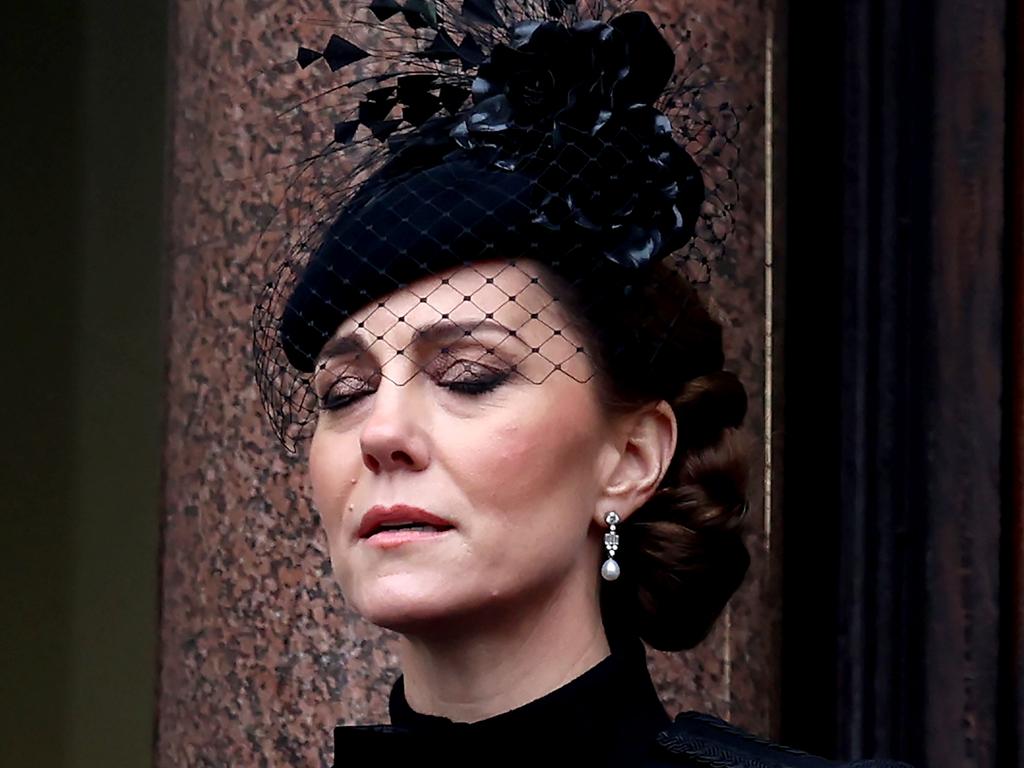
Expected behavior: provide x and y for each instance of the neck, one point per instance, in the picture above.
(495, 663)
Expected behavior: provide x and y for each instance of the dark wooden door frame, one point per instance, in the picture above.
(1011, 692)
(902, 326)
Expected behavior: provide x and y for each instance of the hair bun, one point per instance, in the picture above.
(708, 405)
(676, 609)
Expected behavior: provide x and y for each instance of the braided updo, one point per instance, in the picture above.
(683, 554)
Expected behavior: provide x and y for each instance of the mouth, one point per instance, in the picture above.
(400, 523)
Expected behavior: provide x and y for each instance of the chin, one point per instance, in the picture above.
(402, 603)
(412, 607)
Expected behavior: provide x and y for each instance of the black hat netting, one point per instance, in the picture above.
(503, 179)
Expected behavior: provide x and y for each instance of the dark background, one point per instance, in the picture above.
(84, 91)
(904, 457)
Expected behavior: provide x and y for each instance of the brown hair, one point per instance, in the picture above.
(682, 552)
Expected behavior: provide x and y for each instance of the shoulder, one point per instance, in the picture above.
(698, 739)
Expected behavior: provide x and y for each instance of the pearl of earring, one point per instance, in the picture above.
(610, 571)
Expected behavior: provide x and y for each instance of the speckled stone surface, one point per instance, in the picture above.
(260, 657)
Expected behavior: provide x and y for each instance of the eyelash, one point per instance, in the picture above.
(471, 387)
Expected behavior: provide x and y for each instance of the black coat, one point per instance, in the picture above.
(608, 717)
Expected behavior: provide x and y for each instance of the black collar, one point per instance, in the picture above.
(607, 716)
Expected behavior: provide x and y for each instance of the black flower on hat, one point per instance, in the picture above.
(575, 106)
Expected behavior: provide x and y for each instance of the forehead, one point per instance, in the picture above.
(511, 309)
(519, 295)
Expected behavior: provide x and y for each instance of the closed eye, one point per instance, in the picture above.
(463, 377)
(343, 391)
(471, 378)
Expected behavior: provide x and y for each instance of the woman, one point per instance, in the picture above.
(525, 451)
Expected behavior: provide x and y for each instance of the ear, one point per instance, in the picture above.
(645, 444)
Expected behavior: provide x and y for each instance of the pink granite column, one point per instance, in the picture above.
(260, 657)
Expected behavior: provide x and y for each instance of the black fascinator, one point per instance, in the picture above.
(570, 147)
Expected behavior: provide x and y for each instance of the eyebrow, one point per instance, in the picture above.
(442, 330)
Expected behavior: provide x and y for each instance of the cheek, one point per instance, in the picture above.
(330, 474)
(531, 482)
(544, 454)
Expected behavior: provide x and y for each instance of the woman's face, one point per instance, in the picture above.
(479, 430)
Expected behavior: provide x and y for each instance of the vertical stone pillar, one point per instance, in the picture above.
(260, 657)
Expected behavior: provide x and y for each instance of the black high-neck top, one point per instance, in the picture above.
(608, 716)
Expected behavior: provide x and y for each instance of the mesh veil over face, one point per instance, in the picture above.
(509, 187)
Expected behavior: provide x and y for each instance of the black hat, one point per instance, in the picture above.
(515, 130)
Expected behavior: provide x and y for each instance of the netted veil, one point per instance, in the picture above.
(579, 150)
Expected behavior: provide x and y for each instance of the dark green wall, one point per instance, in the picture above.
(81, 175)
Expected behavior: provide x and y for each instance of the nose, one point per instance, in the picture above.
(393, 437)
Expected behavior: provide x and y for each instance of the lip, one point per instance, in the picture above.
(400, 513)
